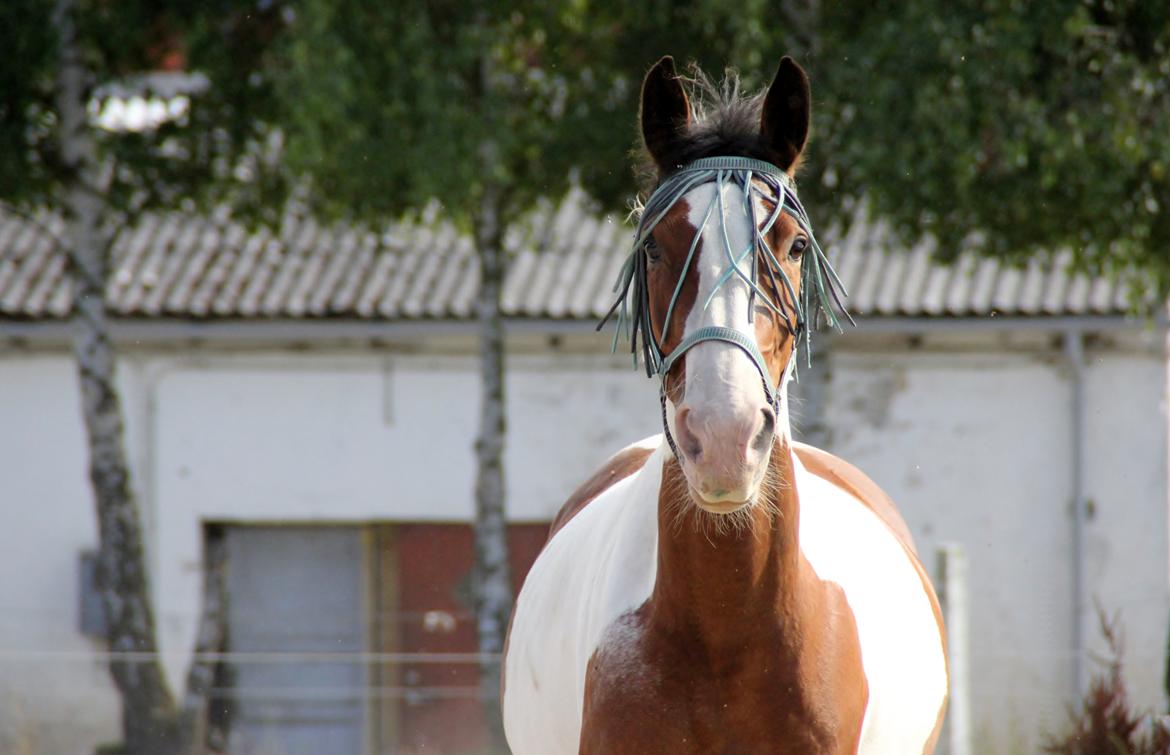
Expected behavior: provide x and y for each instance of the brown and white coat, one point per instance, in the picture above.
(750, 595)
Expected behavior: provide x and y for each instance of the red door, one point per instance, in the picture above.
(427, 616)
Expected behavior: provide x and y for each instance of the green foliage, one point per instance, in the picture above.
(220, 152)
(226, 149)
(26, 115)
(1018, 126)
(395, 104)
(1011, 127)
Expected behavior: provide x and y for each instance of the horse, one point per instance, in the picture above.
(720, 587)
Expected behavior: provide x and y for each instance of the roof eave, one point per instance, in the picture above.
(288, 330)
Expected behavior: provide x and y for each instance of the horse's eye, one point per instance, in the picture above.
(798, 247)
(652, 249)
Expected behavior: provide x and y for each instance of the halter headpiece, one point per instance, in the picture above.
(819, 282)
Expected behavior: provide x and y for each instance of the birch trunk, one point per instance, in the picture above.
(493, 593)
(202, 727)
(149, 721)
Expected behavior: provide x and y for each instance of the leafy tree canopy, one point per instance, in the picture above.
(1008, 127)
(221, 150)
(1012, 126)
(1042, 125)
(393, 104)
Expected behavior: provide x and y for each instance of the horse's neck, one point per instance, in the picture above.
(730, 588)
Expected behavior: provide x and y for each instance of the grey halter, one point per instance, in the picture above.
(821, 287)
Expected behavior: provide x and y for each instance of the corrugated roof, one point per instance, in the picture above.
(564, 261)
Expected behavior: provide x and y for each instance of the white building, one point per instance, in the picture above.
(316, 393)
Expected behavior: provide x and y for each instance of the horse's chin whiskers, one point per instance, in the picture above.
(684, 508)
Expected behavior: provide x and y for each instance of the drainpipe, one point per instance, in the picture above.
(1163, 323)
(1074, 351)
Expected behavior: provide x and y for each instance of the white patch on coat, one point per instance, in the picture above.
(901, 648)
(599, 566)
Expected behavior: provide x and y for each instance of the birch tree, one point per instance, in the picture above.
(54, 159)
(149, 715)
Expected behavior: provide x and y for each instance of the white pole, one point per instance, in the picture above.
(952, 573)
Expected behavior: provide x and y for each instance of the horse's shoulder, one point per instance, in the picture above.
(858, 485)
(849, 478)
(620, 466)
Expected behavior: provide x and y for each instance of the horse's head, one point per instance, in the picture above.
(716, 275)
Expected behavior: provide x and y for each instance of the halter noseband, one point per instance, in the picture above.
(819, 281)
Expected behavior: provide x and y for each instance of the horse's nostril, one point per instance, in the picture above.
(688, 441)
(763, 438)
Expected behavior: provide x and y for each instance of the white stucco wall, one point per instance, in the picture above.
(55, 694)
(1127, 532)
(973, 445)
(976, 449)
(338, 438)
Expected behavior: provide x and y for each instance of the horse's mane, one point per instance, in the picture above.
(723, 122)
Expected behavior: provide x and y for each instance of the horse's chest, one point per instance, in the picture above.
(648, 693)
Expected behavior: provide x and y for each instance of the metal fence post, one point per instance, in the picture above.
(952, 584)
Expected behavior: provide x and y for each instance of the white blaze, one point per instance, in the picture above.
(719, 375)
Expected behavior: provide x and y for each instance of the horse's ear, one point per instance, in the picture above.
(665, 113)
(784, 123)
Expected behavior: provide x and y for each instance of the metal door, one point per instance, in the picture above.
(295, 599)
